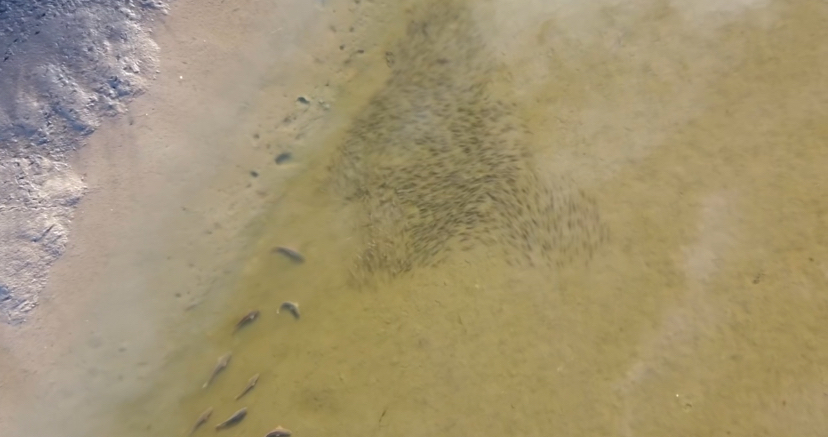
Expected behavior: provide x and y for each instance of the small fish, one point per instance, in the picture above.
(246, 320)
(283, 157)
(220, 365)
(250, 384)
(279, 432)
(292, 307)
(237, 417)
(291, 254)
(205, 416)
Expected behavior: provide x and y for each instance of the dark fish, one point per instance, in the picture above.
(279, 432)
(291, 254)
(205, 416)
(250, 384)
(237, 417)
(283, 157)
(292, 307)
(220, 365)
(246, 320)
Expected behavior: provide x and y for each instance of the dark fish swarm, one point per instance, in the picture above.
(436, 163)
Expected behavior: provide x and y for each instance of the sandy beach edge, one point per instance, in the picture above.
(170, 187)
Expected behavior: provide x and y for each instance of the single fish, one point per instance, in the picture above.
(283, 157)
(220, 365)
(246, 320)
(291, 254)
(279, 432)
(205, 416)
(292, 307)
(250, 384)
(237, 417)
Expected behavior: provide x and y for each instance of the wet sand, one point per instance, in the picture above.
(701, 315)
(170, 188)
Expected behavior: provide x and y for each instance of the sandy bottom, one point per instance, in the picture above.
(170, 189)
(696, 130)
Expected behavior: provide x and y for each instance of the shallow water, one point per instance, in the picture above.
(623, 233)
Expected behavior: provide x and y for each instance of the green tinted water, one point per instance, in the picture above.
(674, 284)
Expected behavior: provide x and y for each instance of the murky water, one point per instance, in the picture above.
(533, 219)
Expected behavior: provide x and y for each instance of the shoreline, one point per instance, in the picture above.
(173, 218)
(67, 68)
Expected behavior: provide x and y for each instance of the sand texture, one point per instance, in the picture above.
(66, 65)
(535, 218)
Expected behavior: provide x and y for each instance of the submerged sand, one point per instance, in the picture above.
(168, 186)
(694, 129)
